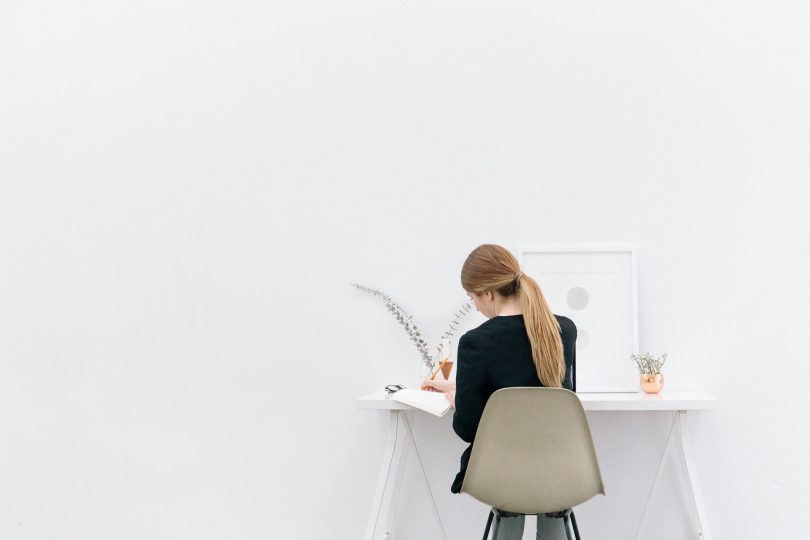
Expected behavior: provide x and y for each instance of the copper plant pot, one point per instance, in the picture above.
(652, 384)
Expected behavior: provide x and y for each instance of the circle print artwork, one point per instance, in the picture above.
(583, 339)
(578, 298)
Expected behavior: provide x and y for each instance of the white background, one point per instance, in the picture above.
(187, 188)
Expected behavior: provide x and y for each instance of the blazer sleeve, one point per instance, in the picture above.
(471, 389)
(570, 381)
(570, 353)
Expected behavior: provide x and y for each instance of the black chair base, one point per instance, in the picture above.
(564, 515)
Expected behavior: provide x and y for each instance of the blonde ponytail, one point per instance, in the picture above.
(544, 333)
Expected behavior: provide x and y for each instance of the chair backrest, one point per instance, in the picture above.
(533, 453)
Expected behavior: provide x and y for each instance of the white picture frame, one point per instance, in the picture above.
(597, 288)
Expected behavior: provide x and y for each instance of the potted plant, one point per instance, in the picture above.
(652, 380)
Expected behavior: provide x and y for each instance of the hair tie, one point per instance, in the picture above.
(518, 276)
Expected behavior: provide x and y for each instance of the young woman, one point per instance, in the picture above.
(522, 344)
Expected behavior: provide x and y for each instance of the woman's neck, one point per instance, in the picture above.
(509, 308)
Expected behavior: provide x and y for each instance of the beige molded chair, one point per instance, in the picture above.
(533, 454)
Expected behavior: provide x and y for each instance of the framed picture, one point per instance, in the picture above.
(597, 288)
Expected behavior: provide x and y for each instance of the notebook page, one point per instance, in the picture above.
(433, 402)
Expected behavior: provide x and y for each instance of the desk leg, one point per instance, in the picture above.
(424, 475)
(688, 463)
(679, 425)
(401, 461)
(382, 509)
(658, 473)
(382, 513)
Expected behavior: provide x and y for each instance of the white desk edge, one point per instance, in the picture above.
(667, 400)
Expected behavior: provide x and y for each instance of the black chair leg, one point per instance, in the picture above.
(489, 523)
(574, 522)
(567, 528)
(497, 525)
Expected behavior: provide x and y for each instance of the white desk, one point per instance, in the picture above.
(400, 438)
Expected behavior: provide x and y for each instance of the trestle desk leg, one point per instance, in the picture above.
(424, 475)
(688, 463)
(379, 512)
(399, 466)
(658, 474)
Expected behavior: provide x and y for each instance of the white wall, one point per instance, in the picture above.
(187, 188)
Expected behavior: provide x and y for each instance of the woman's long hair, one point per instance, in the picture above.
(493, 268)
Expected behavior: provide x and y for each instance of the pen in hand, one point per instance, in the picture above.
(432, 377)
(438, 369)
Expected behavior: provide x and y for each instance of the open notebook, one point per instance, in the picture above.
(432, 402)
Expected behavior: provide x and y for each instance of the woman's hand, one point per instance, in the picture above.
(440, 384)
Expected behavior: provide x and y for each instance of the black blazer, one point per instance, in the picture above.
(498, 355)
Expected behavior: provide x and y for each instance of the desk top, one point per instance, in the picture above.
(667, 400)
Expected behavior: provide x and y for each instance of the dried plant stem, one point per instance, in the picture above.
(453, 325)
(406, 320)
